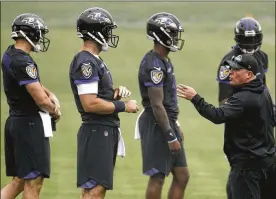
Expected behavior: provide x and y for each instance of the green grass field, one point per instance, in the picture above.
(208, 34)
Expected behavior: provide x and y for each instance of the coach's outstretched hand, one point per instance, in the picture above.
(185, 92)
(121, 92)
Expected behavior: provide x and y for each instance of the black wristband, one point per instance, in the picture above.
(119, 106)
(170, 136)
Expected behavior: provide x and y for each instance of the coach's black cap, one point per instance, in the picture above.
(244, 61)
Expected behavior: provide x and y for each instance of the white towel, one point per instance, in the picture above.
(137, 132)
(47, 125)
(121, 150)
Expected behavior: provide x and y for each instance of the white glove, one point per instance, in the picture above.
(124, 92)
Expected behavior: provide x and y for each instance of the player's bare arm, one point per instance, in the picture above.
(156, 96)
(55, 100)
(52, 96)
(41, 98)
(91, 103)
(47, 91)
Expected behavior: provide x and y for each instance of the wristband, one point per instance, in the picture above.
(170, 136)
(119, 106)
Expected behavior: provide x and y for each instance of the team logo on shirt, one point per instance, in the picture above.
(31, 71)
(156, 76)
(86, 70)
(224, 72)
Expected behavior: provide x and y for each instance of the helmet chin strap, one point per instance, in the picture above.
(104, 43)
(172, 48)
(36, 47)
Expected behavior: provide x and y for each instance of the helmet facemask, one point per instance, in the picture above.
(178, 42)
(248, 35)
(44, 41)
(249, 42)
(111, 39)
(105, 38)
(168, 38)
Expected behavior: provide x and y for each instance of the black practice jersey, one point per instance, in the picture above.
(86, 68)
(155, 71)
(19, 69)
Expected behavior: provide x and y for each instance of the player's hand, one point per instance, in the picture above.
(131, 106)
(56, 116)
(121, 92)
(55, 100)
(57, 113)
(185, 92)
(175, 147)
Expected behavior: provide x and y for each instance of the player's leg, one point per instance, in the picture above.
(32, 154)
(95, 170)
(15, 187)
(155, 155)
(32, 187)
(155, 185)
(179, 170)
(97, 192)
(180, 174)
(179, 182)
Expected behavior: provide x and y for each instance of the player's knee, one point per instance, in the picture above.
(157, 179)
(34, 185)
(97, 192)
(18, 184)
(182, 178)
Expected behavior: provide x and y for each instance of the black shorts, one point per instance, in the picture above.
(97, 150)
(156, 154)
(252, 183)
(27, 151)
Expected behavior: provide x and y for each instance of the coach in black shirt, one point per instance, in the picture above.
(249, 120)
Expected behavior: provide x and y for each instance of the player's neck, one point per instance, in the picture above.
(23, 45)
(90, 47)
(161, 51)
